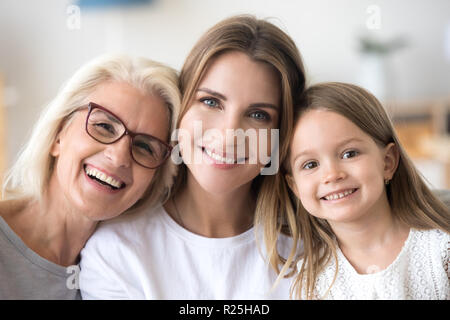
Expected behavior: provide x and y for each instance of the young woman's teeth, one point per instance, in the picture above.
(218, 158)
(91, 172)
(339, 195)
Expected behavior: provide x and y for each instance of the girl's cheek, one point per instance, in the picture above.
(307, 187)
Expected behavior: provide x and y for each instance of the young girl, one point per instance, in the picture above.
(371, 227)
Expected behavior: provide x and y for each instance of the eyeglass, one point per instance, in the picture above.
(105, 127)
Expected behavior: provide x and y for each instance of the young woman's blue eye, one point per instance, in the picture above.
(260, 116)
(211, 103)
(350, 154)
(310, 165)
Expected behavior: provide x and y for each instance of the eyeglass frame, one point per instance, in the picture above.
(92, 105)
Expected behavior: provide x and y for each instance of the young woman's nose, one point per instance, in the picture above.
(232, 120)
(332, 172)
(231, 124)
(119, 152)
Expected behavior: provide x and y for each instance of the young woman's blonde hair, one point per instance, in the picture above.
(410, 199)
(30, 174)
(263, 42)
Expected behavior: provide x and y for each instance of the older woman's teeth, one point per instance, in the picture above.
(218, 157)
(339, 195)
(102, 177)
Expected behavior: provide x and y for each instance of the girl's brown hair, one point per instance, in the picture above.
(263, 42)
(410, 199)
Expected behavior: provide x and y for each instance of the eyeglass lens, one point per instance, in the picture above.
(105, 128)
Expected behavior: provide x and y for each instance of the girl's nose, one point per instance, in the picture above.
(119, 152)
(333, 173)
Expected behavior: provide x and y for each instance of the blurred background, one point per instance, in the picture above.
(399, 50)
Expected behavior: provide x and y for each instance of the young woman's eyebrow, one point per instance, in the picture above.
(264, 105)
(213, 93)
(224, 98)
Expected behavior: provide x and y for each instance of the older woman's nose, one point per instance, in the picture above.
(119, 152)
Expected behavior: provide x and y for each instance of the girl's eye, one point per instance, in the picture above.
(260, 116)
(350, 154)
(310, 165)
(211, 103)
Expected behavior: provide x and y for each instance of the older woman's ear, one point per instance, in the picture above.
(56, 145)
(54, 150)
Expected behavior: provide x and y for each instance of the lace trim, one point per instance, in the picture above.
(420, 271)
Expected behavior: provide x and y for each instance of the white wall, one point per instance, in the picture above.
(38, 51)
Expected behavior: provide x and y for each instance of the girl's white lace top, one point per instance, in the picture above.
(420, 271)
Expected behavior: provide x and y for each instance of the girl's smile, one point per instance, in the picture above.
(343, 194)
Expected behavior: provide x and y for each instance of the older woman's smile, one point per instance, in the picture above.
(103, 177)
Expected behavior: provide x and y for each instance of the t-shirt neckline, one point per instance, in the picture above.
(29, 254)
(240, 239)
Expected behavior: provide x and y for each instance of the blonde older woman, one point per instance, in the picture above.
(98, 150)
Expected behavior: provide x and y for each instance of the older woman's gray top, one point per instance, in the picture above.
(26, 275)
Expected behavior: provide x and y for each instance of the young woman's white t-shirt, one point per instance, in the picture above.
(147, 255)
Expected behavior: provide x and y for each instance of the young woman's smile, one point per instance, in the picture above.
(221, 160)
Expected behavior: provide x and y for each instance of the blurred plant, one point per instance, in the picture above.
(370, 44)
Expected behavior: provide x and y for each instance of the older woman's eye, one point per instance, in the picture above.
(211, 103)
(105, 129)
(350, 154)
(310, 165)
(143, 148)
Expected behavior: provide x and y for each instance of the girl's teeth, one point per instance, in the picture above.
(339, 195)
